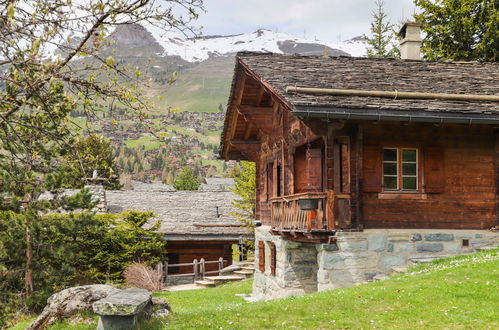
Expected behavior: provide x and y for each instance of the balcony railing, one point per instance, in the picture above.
(286, 214)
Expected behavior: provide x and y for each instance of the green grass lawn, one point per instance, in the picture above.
(455, 293)
(459, 293)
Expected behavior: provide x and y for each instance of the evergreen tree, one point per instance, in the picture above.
(460, 30)
(87, 154)
(186, 180)
(381, 43)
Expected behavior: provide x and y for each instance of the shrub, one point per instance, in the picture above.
(145, 277)
(71, 249)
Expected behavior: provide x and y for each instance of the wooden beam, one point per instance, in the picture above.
(247, 131)
(259, 96)
(233, 111)
(253, 110)
(245, 142)
(262, 122)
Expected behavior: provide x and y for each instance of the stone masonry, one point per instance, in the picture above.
(296, 268)
(357, 257)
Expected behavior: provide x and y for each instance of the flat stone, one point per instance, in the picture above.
(123, 303)
(399, 237)
(416, 237)
(424, 260)
(347, 276)
(116, 322)
(352, 244)
(347, 260)
(388, 261)
(322, 276)
(377, 242)
(486, 248)
(369, 276)
(402, 247)
(327, 247)
(438, 237)
(429, 247)
(454, 247)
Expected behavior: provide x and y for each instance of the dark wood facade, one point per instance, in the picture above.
(451, 169)
(180, 252)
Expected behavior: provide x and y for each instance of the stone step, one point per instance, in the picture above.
(248, 268)
(223, 279)
(245, 273)
(425, 260)
(245, 264)
(486, 248)
(399, 269)
(205, 284)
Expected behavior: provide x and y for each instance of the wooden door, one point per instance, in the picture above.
(341, 180)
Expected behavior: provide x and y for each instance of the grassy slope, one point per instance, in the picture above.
(461, 292)
(201, 88)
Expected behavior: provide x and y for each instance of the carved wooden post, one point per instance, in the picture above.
(202, 268)
(165, 272)
(195, 266)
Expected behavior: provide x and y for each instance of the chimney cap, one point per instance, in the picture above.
(403, 29)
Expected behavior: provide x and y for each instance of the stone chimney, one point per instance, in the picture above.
(410, 45)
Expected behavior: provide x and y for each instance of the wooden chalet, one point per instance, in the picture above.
(195, 224)
(374, 143)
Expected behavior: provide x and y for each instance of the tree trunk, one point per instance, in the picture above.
(28, 279)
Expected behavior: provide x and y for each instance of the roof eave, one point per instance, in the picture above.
(305, 112)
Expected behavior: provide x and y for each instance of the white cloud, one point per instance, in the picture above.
(327, 20)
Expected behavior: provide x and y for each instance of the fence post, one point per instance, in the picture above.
(159, 269)
(165, 272)
(220, 265)
(202, 268)
(195, 265)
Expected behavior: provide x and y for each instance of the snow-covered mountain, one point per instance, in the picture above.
(200, 49)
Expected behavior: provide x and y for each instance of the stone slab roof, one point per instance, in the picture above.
(142, 186)
(281, 70)
(184, 215)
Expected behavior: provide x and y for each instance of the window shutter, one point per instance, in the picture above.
(273, 262)
(308, 170)
(372, 169)
(314, 169)
(434, 175)
(261, 256)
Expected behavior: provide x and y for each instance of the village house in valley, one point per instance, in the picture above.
(364, 165)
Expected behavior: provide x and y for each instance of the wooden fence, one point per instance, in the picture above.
(198, 269)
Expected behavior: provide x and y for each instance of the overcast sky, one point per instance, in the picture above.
(327, 20)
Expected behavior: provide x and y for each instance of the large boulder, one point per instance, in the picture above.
(69, 301)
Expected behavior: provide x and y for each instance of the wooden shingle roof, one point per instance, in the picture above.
(281, 70)
(184, 215)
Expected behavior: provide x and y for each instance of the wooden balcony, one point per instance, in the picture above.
(287, 217)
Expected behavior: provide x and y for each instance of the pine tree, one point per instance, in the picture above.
(186, 180)
(381, 43)
(464, 30)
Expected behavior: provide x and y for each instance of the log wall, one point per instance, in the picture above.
(468, 200)
(209, 250)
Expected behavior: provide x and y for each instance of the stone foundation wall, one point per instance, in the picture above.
(357, 257)
(296, 268)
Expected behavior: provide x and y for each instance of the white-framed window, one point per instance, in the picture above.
(400, 169)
